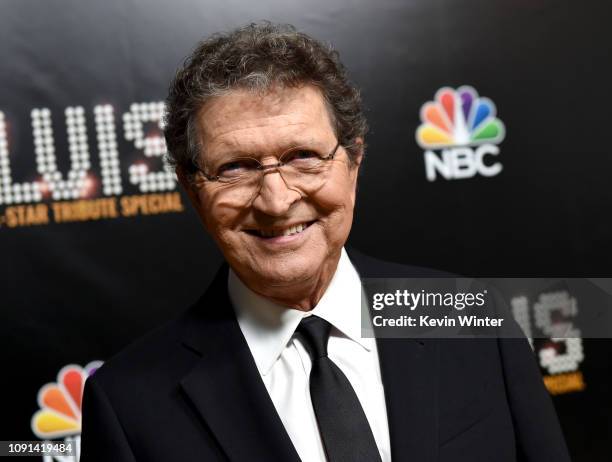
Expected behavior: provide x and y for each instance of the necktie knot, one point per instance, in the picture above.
(315, 331)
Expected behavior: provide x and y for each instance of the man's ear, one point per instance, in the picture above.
(359, 151)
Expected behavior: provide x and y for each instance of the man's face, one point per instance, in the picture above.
(263, 126)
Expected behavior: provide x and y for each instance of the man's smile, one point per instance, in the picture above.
(280, 231)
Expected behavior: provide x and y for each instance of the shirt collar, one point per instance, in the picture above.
(268, 326)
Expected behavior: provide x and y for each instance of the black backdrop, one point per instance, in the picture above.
(78, 291)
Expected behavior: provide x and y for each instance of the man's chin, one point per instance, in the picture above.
(286, 275)
(278, 273)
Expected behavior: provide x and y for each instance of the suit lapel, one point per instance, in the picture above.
(409, 370)
(225, 386)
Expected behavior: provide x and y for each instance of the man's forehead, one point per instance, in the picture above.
(281, 115)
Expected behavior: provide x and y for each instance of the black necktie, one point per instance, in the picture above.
(344, 428)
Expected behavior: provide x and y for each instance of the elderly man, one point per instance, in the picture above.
(267, 137)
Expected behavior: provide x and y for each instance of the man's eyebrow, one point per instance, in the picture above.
(231, 150)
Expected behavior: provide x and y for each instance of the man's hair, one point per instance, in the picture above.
(256, 57)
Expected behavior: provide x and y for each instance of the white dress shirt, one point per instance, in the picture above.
(284, 363)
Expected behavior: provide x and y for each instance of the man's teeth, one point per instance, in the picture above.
(284, 232)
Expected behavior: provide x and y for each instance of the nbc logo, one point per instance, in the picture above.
(60, 408)
(459, 131)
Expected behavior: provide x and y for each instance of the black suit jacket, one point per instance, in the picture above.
(190, 391)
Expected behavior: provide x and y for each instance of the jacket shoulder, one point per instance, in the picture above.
(143, 358)
(372, 267)
(165, 353)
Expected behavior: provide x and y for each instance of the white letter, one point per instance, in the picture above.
(72, 187)
(463, 163)
(573, 355)
(107, 148)
(433, 163)
(483, 169)
(377, 299)
(13, 193)
(153, 146)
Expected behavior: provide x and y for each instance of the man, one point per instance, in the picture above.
(267, 138)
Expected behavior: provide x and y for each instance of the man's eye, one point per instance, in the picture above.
(301, 155)
(236, 167)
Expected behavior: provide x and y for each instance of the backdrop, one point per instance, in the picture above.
(485, 157)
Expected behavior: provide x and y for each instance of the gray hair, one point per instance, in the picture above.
(255, 57)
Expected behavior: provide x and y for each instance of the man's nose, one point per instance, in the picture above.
(275, 198)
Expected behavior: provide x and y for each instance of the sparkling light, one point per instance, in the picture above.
(89, 187)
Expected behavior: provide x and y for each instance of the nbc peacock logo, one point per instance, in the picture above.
(60, 405)
(460, 130)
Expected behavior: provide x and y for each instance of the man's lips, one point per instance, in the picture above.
(277, 231)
